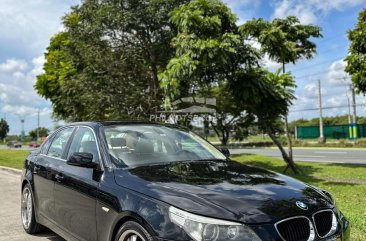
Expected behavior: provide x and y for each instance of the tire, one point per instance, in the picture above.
(132, 231)
(28, 218)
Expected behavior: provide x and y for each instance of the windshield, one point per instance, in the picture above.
(136, 145)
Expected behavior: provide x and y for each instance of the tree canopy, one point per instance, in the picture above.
(104, 65)
(328, 121)
(356, 59)
(4, 129)
(284, 40)
(42, 132)
(211, 51)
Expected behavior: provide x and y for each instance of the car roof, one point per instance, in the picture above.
(123, 122)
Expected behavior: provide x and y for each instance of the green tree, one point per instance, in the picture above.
(268, 96)
(206, 47)
(104, 65)
(284, 41)
(40, 132)
(356, 59)
(4, 129)
(229, 117)
(211, 51)
(328, 121)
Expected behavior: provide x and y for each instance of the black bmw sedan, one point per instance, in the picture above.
(135, 181)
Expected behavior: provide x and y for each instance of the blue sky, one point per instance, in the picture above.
(27, 26)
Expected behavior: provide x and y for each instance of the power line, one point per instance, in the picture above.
(317, 64)
(317, 73)
(335, 36)
(331, 49)
(327, 108)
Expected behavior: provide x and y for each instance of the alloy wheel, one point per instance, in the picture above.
(27, 208)
(131, 235)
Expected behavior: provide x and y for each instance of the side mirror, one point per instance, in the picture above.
(225, 151)
(81, 159)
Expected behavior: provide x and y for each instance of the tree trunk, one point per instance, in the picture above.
(290, 162)
(289, 141)
(225, 136)
(156, 93)
(287, 131)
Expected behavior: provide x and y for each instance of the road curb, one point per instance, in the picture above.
(11, 170)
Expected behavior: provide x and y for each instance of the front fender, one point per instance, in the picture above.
(116, 205)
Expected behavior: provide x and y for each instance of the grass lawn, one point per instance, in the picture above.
(13, 158)
(347, 183)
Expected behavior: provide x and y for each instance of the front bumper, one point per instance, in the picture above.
(268, 232)
(346, 229)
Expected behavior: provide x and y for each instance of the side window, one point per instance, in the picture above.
(46, 145)
(84, 141)
(59, 143)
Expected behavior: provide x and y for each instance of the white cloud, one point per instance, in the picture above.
(25, 31)
(270, 64)
(19, 99)
(244, 9)
(24, 111)
(309, 11)
(18, 75)
(328, 5)
(38, 64)
(27, 26)
(19, 86)
(335, 101)
(336, 74)
(291, 8)
(267, 62)
(13, 65)
(311, 91)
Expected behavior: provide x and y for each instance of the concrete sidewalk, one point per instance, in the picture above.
(10, 223)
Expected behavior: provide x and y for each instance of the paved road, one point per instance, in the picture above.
(24, 147)
(329, 155)
(10, 224)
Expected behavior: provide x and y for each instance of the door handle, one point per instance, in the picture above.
(36, 169)
(59, 177)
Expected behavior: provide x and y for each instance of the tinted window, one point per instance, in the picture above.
(46, 145)
(84, 141)
(59, 143)
(134, 145)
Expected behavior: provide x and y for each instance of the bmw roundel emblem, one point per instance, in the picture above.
(302, 205)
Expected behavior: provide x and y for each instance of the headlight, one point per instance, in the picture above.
(201, 228)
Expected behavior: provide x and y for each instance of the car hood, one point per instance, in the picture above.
(224, 189)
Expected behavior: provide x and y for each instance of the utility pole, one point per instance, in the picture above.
(22, 135)
(350, 129)
(354, 119)
(38, 120)
(321, 128)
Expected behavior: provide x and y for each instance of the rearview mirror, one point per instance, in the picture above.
(225, 151)
(81, 159)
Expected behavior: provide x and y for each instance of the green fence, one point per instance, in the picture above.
(330, 132)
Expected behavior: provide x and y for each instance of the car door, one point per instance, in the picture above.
(76, 191)
(44, 172)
